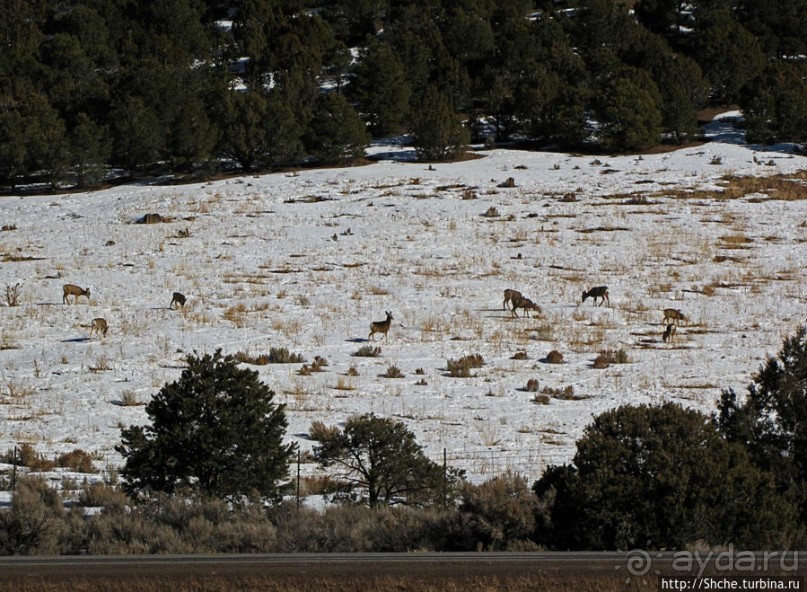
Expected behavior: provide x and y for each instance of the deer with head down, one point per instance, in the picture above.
(669, 334)
(597, 292)
(511, 296)
(380, 326)
(527, 305)
(99, 326)
(75, 291)
(674, 315)
(178, 299)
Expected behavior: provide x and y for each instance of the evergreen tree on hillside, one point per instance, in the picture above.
(336, 133)
(627, 104)
(90, 147)
(284, 133)
(32, 138)
(780, 26)
(138, 136)
(412, 32)
(728, 54)
(552, 91)
(243, 136)
(438, 132)
(12, 145)
(353, 21)
(72, 80)
(92, 30)
(380, 88)
(679, 79)
(664, 17)
(775, 106)
(22, 24)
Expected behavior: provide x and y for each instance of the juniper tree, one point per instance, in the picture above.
(216, 429)
(381, 462)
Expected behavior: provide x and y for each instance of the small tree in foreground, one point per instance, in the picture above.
(215, 429)
(381, 462)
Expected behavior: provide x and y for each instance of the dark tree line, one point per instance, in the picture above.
(191, 86)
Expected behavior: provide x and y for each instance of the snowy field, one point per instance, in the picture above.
(307, 260)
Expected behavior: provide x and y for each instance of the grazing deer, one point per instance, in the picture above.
(75, 291)
(178, 299)
(99, 326)
(669, 333)
(380, 326)
(527, 305)
(598, 292)
(673, 314)
(511, 296)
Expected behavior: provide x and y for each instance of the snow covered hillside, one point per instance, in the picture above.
(306, 261)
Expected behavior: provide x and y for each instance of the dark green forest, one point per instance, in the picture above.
(92, 90)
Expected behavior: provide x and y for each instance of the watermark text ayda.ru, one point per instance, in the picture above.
(640, 563)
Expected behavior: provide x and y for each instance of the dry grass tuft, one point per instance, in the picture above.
(462, 367)
(393, 372)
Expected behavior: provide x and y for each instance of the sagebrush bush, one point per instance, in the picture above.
(78, 460)
(462, 367)
(601, 361)
(27, 456)
(281, 355)
(316, 366)
(35, 521)
(102, 495)
(393, 372)
(501, 511)
(368, 351)
(276, 355)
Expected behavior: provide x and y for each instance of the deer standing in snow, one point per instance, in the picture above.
(598, 292)
(75, 291)
(380, 326)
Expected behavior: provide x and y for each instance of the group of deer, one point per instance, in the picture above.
(99, 325)
(676, 316)
(672, 316)
(518, 300)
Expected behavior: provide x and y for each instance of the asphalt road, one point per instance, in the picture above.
(435, 566)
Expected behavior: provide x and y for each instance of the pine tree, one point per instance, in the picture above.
(336, 134)
(380, 88)
(438, 132)
(137, 134)
(243, 137)
(728, 54)
(775, 106)
(90, 147)
(216, 429)
(628, 109)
